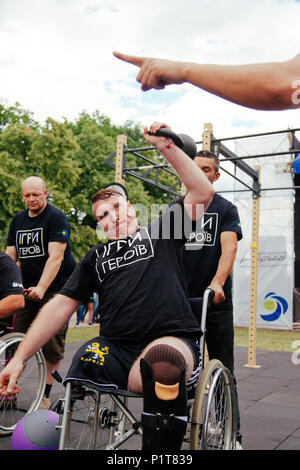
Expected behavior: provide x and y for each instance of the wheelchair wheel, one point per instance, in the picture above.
(213, 424)
(89, 419)
(32, 384)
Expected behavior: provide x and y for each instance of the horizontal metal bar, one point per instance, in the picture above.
(146, 167)
(140, 149)
(255, 135)
(262, 189)
(279, 189)
(286, 152)
(156, 184)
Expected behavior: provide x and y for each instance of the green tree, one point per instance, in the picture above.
(70, 157)
(15, 114)
(46, 152)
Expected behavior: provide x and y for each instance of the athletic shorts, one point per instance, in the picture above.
(54, 349)
(101, 361)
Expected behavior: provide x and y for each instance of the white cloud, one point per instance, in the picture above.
(56, 57)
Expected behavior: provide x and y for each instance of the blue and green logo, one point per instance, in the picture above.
(63, 233)
(274, 304)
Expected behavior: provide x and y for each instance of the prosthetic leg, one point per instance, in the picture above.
(164, 416)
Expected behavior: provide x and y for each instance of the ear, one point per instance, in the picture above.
(130, 209)
(217, 176)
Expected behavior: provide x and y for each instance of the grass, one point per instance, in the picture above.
(272, 340)
(82, 334)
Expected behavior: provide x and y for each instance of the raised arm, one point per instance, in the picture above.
(265, 86)
(199, 189)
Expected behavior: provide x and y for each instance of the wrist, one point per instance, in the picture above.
(42, 289)
(218, 282)
(187, 72)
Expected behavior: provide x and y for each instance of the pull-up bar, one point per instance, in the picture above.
(208, 142)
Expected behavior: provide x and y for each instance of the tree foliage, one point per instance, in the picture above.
(70, 157)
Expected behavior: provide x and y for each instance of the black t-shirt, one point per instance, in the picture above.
(10, 277)
(31, 235)
(141, 284)
(201, 264)
(10, 281)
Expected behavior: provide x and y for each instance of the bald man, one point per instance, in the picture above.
(265, 86)
(38, 240)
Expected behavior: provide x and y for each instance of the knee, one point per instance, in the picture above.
(167, 363)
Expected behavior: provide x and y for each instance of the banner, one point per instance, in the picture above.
(274, 286)
(275, 280)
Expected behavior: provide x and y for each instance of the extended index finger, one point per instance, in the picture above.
(132, 59)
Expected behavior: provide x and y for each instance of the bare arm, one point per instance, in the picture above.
(200, 190)
(266, 86)
(11, 304)
(56, 252)
(53, 315)
(225, 265)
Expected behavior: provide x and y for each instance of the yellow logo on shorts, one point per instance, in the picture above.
(98, 354)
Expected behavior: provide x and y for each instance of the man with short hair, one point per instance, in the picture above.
(38, 240)
(149, 334)
(210, 265)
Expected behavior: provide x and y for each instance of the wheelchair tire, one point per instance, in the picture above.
(32, 384)
(213, 424)
(90, 420)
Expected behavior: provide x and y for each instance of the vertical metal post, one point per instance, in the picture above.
(206, 136)
(121, 143)
(206, 145)
(253, 281)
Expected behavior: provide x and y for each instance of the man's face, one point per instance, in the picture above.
(113, 216)
(34, 196)
(207, 165)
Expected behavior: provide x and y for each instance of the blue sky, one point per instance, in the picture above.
(56, 57)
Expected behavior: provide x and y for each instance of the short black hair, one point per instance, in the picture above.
(209, 154)
(105, 194)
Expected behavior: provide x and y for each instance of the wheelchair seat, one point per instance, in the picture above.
(103, 389)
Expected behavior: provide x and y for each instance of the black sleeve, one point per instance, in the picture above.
(231, 222)
(59, 228)
(10, 277)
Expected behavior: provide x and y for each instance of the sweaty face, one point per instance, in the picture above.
(34, 197)
(207, 165)
(113, 216)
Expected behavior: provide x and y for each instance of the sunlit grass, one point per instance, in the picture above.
(82, 333)
(273, 340)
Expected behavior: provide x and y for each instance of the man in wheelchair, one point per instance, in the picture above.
(149, 334)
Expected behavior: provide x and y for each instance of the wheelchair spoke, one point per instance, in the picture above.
(213, 418)
(95, 422)
(31, 383)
